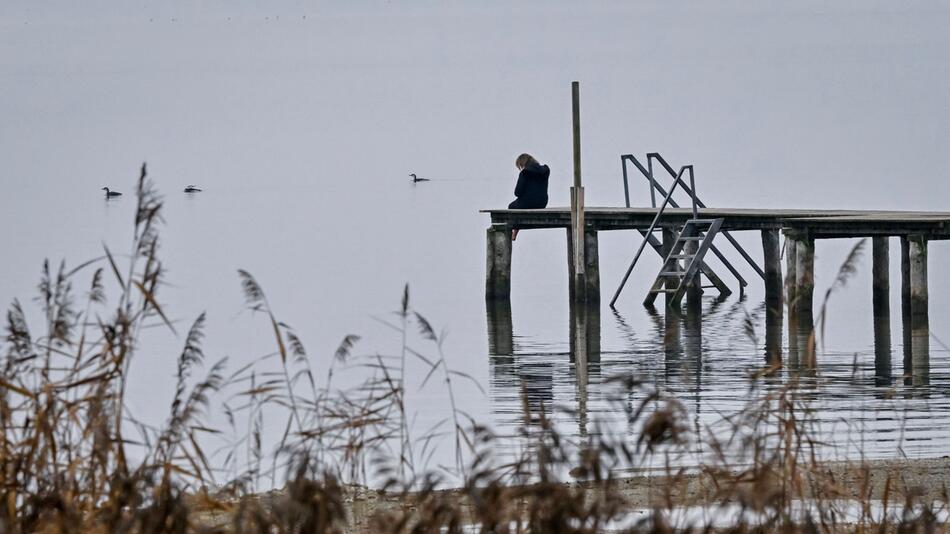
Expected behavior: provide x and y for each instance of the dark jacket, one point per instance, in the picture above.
(532, 188)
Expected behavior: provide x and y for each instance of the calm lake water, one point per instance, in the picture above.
(302, 123)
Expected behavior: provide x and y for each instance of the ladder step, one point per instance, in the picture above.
(665, 290)
(671, 273)
(681, 256)
(690, 238)
(701, 221)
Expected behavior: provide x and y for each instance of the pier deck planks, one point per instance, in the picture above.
(818, 223)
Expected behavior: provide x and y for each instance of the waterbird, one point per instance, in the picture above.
(416, 179)
(192, 189)
(111, 194)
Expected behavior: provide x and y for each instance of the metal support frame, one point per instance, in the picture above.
(647, 172)
(649, 232)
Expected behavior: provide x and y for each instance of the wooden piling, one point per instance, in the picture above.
(804, 296)
(920, 322)
(791, 300)
(881, 306)
(881, 286)
(772, 252)
(791, 264)
(906, 337)
(805, 279)
(772, 260)
(498, 269)
(918, 278)
(590, 283)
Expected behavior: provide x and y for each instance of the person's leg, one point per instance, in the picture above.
(516, 204)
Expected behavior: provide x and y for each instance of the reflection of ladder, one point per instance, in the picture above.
(676, 278)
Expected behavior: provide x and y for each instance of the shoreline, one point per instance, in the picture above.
(925, 479)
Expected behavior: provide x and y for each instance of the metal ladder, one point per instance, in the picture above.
(673, 279)
(647, 172)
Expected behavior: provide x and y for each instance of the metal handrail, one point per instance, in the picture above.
(646, 237)
(691, 193)
(647, 172)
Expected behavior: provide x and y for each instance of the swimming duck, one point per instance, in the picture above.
(111, 194)
(192, 189)
(416, 179)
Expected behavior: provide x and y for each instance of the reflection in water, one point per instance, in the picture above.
(773, 335)
(500, 336)
(585, 354)
(531, 375)
(882, 351)
(920, 356)
(704, 358)
(527, 383)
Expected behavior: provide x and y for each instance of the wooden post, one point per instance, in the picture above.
(805, 279)
(772, 253)
(791, 264)
(920, 322)
(579, 279)
(804, 295)
(881, 289)
(591, 266)
(905, 309)
(498, 269)
(791, 299)
(881, 286)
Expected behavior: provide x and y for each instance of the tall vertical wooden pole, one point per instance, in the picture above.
(577, 203)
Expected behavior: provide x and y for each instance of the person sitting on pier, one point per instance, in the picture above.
(531, 191)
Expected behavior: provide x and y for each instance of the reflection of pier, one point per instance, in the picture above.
(533, 378)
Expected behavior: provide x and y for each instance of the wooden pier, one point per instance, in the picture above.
(800, 227)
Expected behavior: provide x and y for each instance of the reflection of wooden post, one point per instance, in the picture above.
(579, 281)
(500, 336)
(498, 270)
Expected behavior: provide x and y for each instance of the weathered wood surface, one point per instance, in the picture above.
(817, 223)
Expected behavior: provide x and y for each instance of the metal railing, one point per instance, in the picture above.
(667, 199)
(655, 187)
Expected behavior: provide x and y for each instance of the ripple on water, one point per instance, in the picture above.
(860, 404)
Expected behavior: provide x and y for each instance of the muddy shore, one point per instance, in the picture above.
(926, 479)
